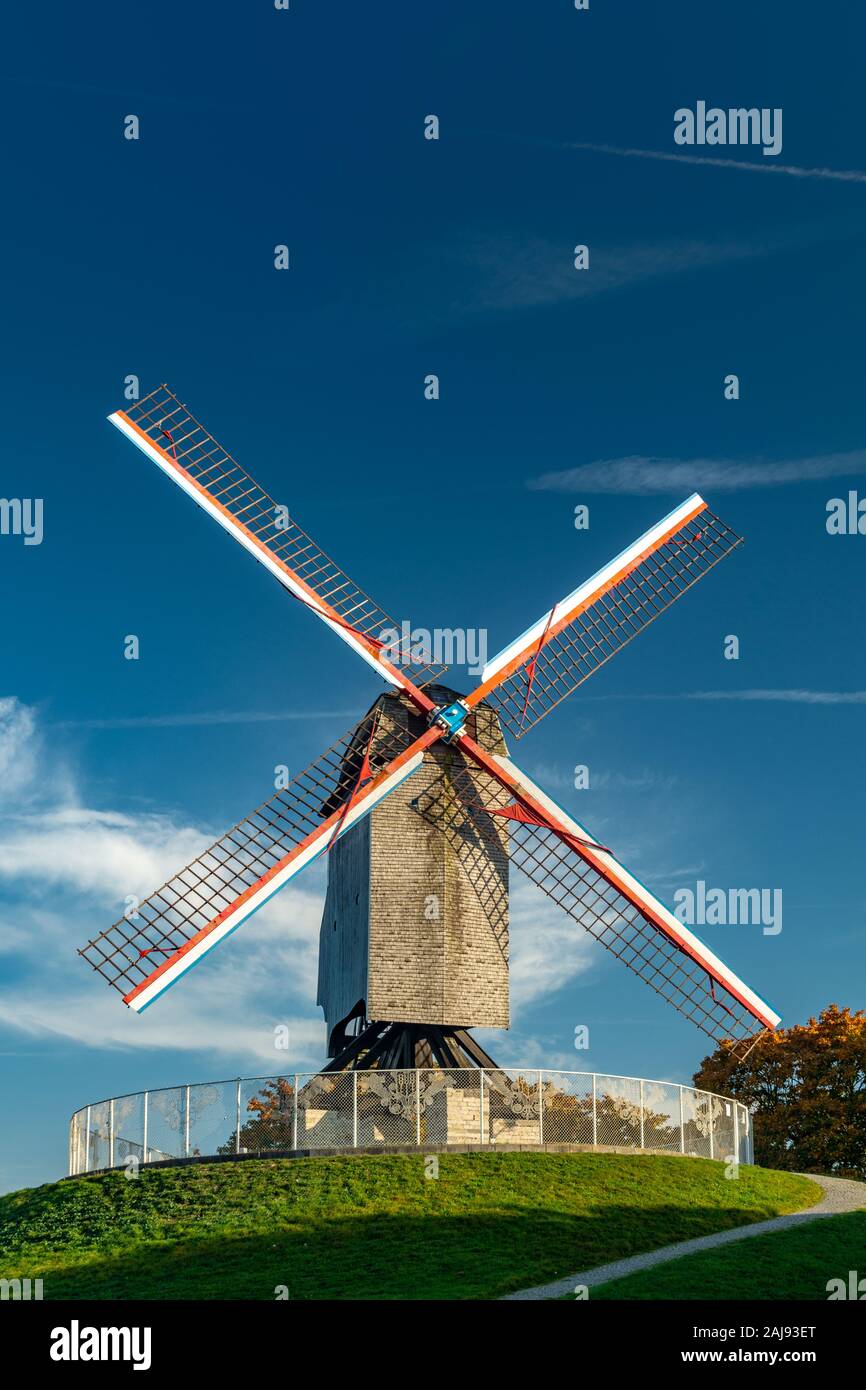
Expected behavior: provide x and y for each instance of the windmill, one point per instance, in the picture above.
(424, 782)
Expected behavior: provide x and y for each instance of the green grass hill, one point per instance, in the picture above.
(360, 1227)
(797, 1264)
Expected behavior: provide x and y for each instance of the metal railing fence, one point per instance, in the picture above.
(415, 1108)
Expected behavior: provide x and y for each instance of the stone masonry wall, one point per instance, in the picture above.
(431, 945)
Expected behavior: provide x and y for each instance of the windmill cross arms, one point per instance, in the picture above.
(147, 951)
(583, 631)
(589, 883)
(162, 427)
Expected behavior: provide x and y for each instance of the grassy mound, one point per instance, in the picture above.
(370, 1227)
(794, 1264)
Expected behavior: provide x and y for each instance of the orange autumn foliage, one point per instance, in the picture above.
(806, 1088)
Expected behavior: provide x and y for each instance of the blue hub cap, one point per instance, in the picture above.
(451, 718)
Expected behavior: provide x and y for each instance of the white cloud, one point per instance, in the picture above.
(105, 854)
(263, 976)
(640, 475)
(796, 697)
(18, 748)
(791, 697)
(202, 1026)
(537, 272)
(526, 1052)
(204, 718)
(560, 777)
(66, 868)
(764, 166)
(548, 948)
(14, 937)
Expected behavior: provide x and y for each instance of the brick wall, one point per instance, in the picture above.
(425, 938)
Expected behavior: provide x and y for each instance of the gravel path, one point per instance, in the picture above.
(840, 1195)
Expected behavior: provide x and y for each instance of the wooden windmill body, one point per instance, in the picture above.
(415, 925)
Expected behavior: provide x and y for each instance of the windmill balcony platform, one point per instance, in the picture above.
(409, 1110)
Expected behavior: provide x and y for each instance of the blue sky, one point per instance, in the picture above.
(408, 257)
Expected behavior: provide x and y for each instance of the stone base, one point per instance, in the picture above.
(455, 1117)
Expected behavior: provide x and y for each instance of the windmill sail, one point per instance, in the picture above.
(602, 896)
(144, 953)
(583, 631)
(168, 434)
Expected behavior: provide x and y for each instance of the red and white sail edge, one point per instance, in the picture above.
(521, 787)
(588, 848)
(318, 842)
(179, 475)
(531, 642)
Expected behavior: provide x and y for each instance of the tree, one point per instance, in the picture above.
(271, 1120)
(806, 1088)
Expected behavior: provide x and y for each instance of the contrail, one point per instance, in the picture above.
(794, 170)
(642, 474)
(180, 721)
(796, 697)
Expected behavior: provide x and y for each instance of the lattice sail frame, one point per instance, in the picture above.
(649, 940)
(162, 427)
(244, 868)
(255, 859)
(582, 632)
